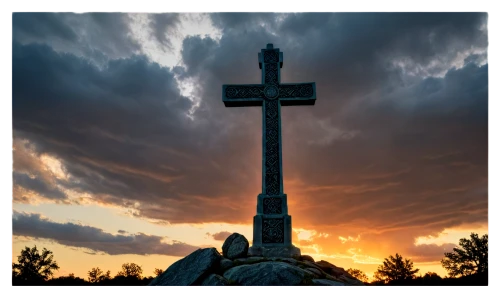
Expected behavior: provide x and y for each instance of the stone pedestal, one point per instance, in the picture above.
(272, 228)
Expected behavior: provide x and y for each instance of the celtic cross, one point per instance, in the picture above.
(272, 224)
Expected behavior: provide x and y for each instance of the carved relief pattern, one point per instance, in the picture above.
(271, 57)
(271, 73)
(299, 90)
(272, 205)
(272, 163)
(244, 91)
(272, 184)
(285, 91)
(273, 230)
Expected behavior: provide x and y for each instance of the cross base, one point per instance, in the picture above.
(274, 251)
(272, 234)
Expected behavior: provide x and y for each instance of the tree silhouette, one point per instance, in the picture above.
(469, 258)
(395, 268)
(130, 270)
(158, 272)
(358, 274)
(97, 275)
(67, 280)
(377, 279)
(431, 278)
(33, 267)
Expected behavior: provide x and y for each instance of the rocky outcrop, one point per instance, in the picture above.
(208, 267)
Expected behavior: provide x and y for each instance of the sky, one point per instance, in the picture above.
(123, 150)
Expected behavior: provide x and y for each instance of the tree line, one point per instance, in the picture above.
(467, 264)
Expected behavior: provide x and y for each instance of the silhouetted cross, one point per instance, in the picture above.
(271, 94)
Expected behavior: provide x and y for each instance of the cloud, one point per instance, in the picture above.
(395, 147)
(221, 236)
(96, 36)
(76, 235)
(164, 26)
(429, 252)
(41, 187)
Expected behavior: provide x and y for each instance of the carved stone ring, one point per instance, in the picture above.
(271, 92)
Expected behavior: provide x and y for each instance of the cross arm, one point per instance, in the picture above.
(297, 94)
(242, 95)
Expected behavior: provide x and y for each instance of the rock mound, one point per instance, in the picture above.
(208, 267)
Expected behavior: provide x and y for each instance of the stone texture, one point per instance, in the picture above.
(266, 273)
(306, 258)
(330, 268)
(214, 279)
(313, 265)
(316, 272)
(277, 251)
(191, 269)
(289, 260)
(225, 264)
(311, 274)
(350, 281)
(284, 259)
(249, 260)
(327, 282)
(208, 267)
(235, 246)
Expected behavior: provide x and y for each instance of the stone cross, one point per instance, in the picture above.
(272, 234)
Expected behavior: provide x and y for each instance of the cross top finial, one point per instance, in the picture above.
(270, 46)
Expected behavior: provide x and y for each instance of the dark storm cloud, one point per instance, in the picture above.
(399, 129)
(42, 26)
(110, 33)
(123, 133)
(350, 55)
(197, 51)
(163, 27)
(427, 157)
(39, 186)
(76, 235)
(243, 22)
(97, 36)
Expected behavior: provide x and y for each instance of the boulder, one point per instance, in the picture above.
(313, 265)
(191, 269)
(306, 258)
(214, 279)
(316, 272)
(225, 264)
(330, 268)
(235, 246)
(266, 273)
(289, 260)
